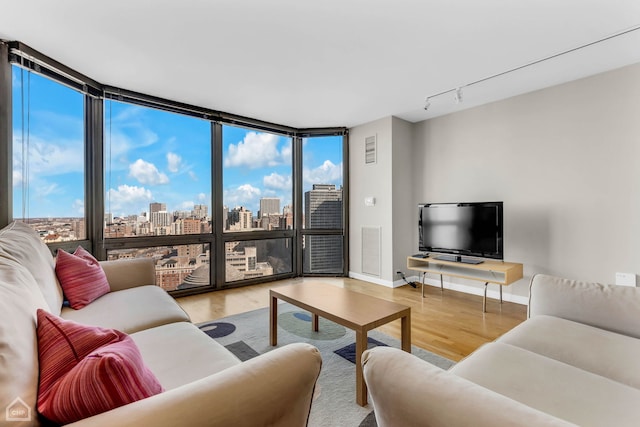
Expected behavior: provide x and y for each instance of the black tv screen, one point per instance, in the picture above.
(472, 229)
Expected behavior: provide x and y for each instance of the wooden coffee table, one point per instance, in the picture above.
(352, 310)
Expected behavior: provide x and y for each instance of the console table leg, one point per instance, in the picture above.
(441, 284)
(423, 276)
(500, 294)
(273, 320)
(484, 300)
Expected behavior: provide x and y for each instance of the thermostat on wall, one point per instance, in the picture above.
(369, 201)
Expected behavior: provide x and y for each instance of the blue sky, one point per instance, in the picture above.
(150, 156)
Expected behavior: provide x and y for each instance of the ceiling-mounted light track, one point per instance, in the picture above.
(457, 97)
(457, 91)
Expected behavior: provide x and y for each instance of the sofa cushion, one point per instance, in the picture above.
(20, 297)
(601, 352)
(550, 386)
(610, 307)
(180, 353)
(22, 244)
(81, 277)
(87, 370)
(129, 310)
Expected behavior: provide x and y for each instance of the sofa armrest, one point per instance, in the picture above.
(274, 389)
(129, 273)
(610, 307)
(407, 391)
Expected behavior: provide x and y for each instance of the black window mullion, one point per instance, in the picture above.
(218, 255)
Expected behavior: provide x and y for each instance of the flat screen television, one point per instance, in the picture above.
(461, 229)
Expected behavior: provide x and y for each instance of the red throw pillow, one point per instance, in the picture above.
(86, 370)
(81, 277)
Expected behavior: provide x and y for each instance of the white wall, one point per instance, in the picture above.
(371, 180)
(565, 161)
(403, 209)
(389, 182)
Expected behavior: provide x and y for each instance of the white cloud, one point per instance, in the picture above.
(128, 199)
(277, 181)
(126, 131)
(17, 178)
(193, 175)
(202, 198)
(256, 150)
(147, 173)
(78, 206)
(244, 195)
(47, 189)
(174, 162)
(49, 157)
(287, 152)
(327, 173)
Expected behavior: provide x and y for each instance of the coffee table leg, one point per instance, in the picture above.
(361, 386)
(406, 333)
(273, 321)
(314, 322)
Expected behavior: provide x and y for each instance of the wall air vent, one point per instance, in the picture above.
(371, 251)
(370, 149)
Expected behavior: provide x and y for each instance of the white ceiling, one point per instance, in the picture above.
(327, 62)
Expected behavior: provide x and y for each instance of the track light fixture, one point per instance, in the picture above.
(457, 96)
(457, 91)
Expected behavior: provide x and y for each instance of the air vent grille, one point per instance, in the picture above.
(370, 150)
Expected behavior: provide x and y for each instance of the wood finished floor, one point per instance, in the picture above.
(448, 323)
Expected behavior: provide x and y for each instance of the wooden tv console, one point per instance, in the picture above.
(498, 272)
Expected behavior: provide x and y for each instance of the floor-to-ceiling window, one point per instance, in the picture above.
(158, 190)
(323, 205)
(257, 200)
(48, 156)
(216, 200)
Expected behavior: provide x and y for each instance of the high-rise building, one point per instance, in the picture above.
(200, 211)
(161, 218)
(225, 218)
(286, 220)
(240, 219)
(191, 226)
(323, 209)
(269, 206)
(156, 207)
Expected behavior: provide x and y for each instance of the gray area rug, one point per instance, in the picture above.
(247, 335)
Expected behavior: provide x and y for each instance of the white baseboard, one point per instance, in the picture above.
(376, 280)
(491, 293)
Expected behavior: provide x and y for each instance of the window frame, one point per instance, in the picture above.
(95, 93)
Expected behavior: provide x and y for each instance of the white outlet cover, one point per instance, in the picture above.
(626, 279)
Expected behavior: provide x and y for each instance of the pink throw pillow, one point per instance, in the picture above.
(86, 370)
(81, 277)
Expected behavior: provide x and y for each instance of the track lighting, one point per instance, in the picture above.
(457, 91)
(457, 97)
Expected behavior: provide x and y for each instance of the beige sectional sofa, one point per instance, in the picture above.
(574, 361)
(205, 385)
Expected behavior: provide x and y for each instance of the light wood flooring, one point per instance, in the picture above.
(447, 323)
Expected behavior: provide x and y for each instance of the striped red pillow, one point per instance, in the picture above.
(81, 277)
(86, 370)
